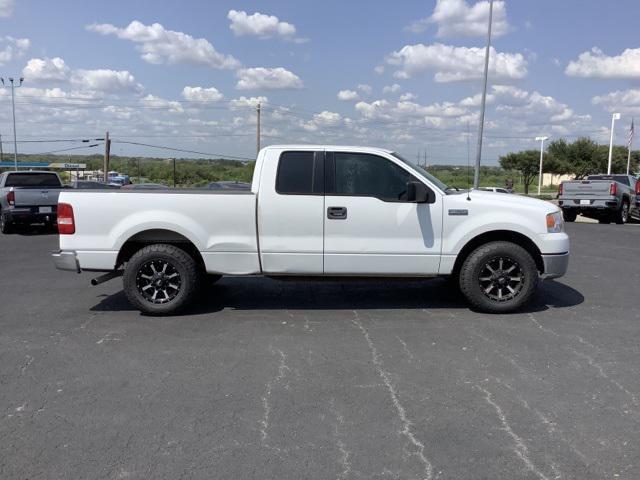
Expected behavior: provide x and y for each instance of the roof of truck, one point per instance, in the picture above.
(349, 148)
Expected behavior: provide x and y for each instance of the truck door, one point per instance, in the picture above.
(290, 212)
(370, 228)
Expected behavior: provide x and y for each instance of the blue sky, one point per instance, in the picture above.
(402, 75)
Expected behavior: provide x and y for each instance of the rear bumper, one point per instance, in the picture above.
(555, 265)
(66, 260)
(29, 215)
(594, 204)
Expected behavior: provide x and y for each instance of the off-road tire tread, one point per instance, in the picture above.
(469, 284)
(190, 279)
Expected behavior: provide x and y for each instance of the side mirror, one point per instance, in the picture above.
(418, 192)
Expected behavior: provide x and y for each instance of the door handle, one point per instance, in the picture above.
(337, 213)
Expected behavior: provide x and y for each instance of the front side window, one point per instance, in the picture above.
(300, 173)
(358, 174)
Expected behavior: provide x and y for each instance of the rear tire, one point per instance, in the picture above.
(569, 215)
(161, 279)
(622, 215)
(499, 277)
(5, 226)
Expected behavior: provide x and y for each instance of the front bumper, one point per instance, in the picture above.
(555, 265)
(66, 260)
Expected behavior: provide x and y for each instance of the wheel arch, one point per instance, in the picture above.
(499, 235)
(154, 236)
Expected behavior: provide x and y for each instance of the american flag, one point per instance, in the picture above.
(632, 131)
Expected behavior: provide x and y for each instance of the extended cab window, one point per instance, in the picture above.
(300, 173)
(358, 174)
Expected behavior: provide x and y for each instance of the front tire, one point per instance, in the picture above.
(161, 279)
(498, 277)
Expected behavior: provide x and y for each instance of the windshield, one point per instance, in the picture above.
(441, 185)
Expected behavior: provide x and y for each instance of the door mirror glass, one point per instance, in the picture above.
(418, 192)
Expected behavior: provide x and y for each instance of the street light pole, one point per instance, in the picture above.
(614, 117)
(541, 140)
(13, 108)
(476, 175)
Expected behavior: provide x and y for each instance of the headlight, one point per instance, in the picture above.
(555, 222)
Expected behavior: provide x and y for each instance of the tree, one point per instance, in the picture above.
(584, 157)
(526, 162)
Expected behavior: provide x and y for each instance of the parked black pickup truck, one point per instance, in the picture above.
(28, 197)
(605, 198)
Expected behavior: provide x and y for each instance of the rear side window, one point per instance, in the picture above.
(32, 180)
(300, 173)
(358, 174)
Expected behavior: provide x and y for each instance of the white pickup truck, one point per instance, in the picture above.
(315, 211)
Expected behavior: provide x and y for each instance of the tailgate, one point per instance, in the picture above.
(586, 188)
(36, 197)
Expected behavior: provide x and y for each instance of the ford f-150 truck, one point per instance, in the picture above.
(315, 211)
(28, 197)
(602, 197)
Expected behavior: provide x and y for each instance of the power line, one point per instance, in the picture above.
(221, 155)
(64, 150)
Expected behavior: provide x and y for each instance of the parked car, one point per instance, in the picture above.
(495, 189)
(145, 186)
(229, 185)
(315, 211)
(90, 184)
(605, 198)
(28, 197)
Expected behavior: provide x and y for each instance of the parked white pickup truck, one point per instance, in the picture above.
(315, 211)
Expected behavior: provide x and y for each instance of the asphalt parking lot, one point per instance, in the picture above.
(317, 380)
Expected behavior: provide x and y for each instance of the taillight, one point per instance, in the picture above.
(11, 198)
(638, 187)
(613, 189)
(66, 222)
(560, 189)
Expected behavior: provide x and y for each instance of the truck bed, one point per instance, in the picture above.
(221, 224)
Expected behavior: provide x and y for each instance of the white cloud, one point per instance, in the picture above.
(625, 101)
(247, 102)
(395, 88)
(456, 64)
(6, 8)
(595, 64)
(379, 69)
(364, 88)
(107, 81)
(157, 102)
(261, 78)
(200, 94)
(13, 48)
(456, 18)
(161, 46)
(407, 97)
(348, 95)
(46, 70)
(261, 26)
(326, 118)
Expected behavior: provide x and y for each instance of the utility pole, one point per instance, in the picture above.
(1, 151)
(614, 117)
(476, 176)
(139, 177)
(174, 173)
(13, 108)
(107, 155)
(632, 132)
(541, 140)
(425, 158)
(258, 130)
